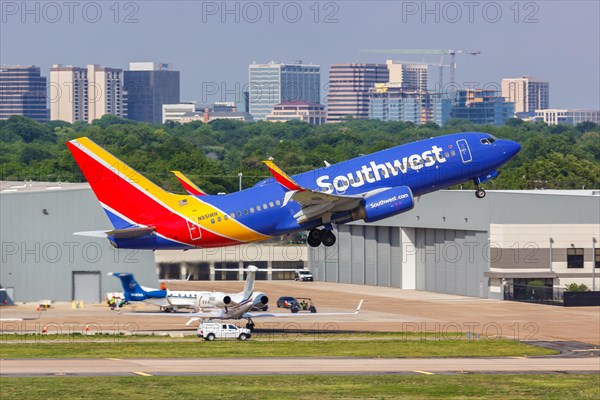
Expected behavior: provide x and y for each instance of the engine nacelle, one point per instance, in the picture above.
(219, 300)
(385, 204)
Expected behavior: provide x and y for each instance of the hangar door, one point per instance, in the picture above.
(86, 286)
(452, 261)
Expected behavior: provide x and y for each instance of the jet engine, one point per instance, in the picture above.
(385, 204)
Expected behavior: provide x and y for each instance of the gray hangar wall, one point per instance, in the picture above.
(43, 260)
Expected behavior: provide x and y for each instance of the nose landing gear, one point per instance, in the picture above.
(479, 192)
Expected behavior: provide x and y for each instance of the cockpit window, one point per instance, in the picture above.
(488, 140)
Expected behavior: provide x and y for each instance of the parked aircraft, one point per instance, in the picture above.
(219, 303)
(371, 187)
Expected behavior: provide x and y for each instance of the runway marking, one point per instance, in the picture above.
(424, 372)
(114, 359)
(141, 373)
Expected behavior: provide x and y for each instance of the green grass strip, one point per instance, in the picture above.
(488, 387)
(275, 348)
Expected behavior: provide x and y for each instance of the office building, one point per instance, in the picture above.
(174, 112)
(349, 86)
(411, 77)
(571, 117)
(105, 92)
(528, 94)
(482, 107)
(390, 102)
(274, 83)
(68, 93)
(23, 92)
(149, 85)
(311, 113)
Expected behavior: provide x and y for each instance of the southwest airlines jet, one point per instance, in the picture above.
(371, 187)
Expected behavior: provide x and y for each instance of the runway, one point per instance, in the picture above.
(284, 366)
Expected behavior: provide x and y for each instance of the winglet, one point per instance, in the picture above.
(359, 306)
(188, 185)
(283, 178)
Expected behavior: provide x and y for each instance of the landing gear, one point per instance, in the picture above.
(250, 325)
(318, 236)
(314, 237)
(328, 238)
(479, 192)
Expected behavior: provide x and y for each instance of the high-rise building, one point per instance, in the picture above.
(274, 83)
(23, 92)
(105, 92)
(566, 116)
(389, 102)
(68, 93)
(411, 77)
(349, 86)
(482, 106)
(528, 94)
(149, 85)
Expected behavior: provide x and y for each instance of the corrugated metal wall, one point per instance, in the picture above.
(452, 261)
(368, 255)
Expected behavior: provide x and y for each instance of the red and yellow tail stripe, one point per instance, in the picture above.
(122, 189)
(188, 185)
(281, 177)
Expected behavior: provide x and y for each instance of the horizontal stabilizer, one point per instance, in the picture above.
(129, 233)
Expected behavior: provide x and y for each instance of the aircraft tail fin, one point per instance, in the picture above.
(188, 185)
(129, 199)
(249, 285)
(131, 289)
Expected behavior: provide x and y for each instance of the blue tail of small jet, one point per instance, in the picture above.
(133, 291)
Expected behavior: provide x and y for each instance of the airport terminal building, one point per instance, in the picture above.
(452, 242)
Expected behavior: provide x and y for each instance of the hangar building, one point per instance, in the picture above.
(452, 242)
(43, 260)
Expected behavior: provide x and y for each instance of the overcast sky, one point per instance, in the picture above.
(212, 43)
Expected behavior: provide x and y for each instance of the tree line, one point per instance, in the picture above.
(212, 155)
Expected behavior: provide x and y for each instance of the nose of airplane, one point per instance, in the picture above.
(511, 148)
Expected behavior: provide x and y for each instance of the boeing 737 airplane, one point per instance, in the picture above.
(370, 187)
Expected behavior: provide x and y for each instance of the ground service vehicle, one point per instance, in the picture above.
(303, 304)
(218, 330)
(303, 275)
(286, 302)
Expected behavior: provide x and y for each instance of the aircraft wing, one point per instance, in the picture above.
(291, 315)
(314, 204)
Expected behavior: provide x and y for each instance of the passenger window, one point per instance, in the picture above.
(251, 210)
(239, 213)
(271, 204)
(278, 202)
(232, 215)
(258, 207)
(447, 154)
(212, 221)
(351, 180)
(218, 219)
(225, 217)
(245, 212)
(453, 152)
(265, 206)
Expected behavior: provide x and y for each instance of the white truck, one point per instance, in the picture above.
(303, 275)
(219, 330)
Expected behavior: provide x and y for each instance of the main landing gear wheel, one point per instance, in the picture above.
(328, 238)
(479, 193)
(314, 237)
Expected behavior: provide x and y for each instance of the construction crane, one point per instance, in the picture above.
(443, 53)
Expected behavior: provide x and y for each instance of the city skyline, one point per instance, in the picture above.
(515, 41)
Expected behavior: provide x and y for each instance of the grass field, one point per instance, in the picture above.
(308, 387)
(183, 348)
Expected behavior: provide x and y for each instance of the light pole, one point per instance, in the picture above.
(240, 176)
(594, 264)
